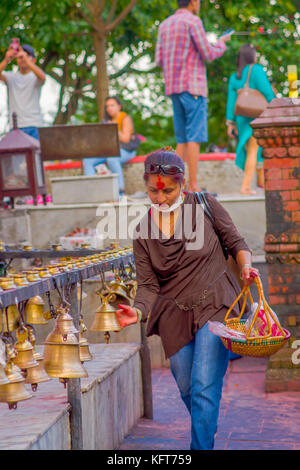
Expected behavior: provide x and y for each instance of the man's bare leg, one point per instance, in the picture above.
(181, 150)
(193, 150)
(189, 153)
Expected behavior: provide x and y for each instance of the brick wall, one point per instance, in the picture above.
(278, 132)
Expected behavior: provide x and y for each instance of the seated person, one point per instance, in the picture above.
(114, 113)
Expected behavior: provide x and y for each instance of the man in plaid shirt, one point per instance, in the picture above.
(182, 49)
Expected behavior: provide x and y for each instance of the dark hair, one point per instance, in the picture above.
(117, 99)
(165, 156)
(246, 55)
(183, 3)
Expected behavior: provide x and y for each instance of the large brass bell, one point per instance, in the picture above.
(85, 354)
(37, 374)
(24, 351)
(105, 317)
(62, 354)
(3, 377)
(35, 311)
(10, 322)
(15, 390)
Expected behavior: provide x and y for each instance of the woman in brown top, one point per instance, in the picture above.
(183, 282)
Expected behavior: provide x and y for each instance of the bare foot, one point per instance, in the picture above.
(248, 191)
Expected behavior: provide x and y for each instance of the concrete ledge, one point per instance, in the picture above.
(111, 405)
(85, 189)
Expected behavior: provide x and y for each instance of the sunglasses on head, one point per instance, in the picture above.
(166, 169)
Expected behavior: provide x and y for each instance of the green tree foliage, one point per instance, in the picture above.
(63, 33)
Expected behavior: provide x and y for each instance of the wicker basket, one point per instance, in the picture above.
(256, 346)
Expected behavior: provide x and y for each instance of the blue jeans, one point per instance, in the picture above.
(32, 131)
(199, 368)
(114, 164)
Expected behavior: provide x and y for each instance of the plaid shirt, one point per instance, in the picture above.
(181, 49)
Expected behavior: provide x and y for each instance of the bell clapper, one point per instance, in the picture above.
(64, 381)
(107, 336)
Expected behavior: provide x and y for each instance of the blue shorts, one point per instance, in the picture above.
(189, 117)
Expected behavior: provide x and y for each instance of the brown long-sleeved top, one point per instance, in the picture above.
(180, 289)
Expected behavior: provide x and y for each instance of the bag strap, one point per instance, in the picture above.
(249, 73)
(204, 203)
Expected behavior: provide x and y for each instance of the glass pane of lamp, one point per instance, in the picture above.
(14, 171)
(39, 171)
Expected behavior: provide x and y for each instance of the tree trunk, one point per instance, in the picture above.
(102, 78)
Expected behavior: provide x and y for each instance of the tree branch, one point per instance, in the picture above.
(127, 67)
(88, 20)
(111, 11)
(110, 27)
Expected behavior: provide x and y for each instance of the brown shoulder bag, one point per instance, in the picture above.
(250, 102)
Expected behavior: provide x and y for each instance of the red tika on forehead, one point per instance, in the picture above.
(159, 183)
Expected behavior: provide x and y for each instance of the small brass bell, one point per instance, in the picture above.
(24, 351)
(85, 354)
(119, 288)
(13, 317)
(65, 322)
(31, 337)
(35, 311)
(15, 390)
(36, 375)
(105, 317)
(132, 288)
(62, 354)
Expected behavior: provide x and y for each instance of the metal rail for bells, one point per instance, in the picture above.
(70, 279)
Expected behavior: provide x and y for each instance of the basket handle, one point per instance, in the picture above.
(261, 299)
(245, 291)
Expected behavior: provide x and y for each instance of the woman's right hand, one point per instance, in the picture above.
(126, 315)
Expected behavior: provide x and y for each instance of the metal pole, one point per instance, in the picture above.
(146, 374)
(74, 385)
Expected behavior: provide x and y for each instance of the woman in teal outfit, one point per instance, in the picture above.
(248, 153)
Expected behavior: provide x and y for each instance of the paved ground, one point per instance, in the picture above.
(249, 418)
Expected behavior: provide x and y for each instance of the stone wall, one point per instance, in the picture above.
(221, 176)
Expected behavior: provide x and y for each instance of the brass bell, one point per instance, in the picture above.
(62, 355)
(31, 337)
(24, 351)
(35, 311)
(85, 354)
(3, 377)
(15, 390)
(20, 279)
(65, 322)
(132, 288)
(36, 375)
(105, 317)
(118, 288)
(11, 321)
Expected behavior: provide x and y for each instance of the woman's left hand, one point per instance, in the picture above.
(248, 275)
